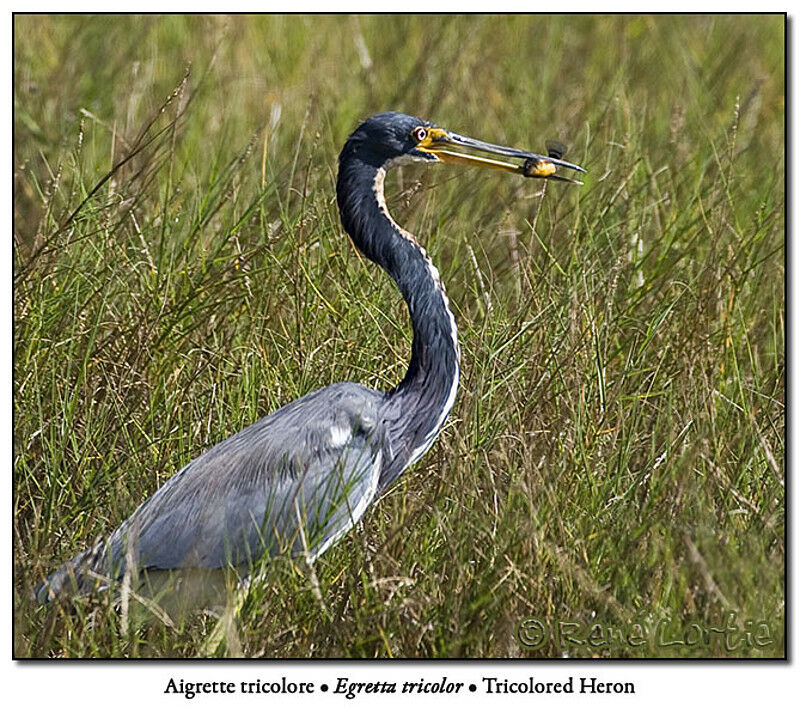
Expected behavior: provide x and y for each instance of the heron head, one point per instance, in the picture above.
(388, 139)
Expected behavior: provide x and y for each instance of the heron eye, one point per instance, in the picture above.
(420, 134)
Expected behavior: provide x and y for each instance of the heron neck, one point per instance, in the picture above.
(419, 405)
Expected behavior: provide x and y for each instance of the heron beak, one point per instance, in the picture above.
(452, 148)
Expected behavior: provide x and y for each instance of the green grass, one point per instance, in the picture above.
(616, 451)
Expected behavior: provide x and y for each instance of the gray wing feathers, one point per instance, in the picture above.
(295, 481)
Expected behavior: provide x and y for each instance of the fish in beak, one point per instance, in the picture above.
(453, 148)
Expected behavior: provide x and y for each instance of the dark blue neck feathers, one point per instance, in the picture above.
(424, 397)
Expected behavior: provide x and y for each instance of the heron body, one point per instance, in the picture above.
(298, 479)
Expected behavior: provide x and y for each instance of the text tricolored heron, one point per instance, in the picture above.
(298, 479)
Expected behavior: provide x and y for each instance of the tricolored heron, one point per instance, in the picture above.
(298, 479)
